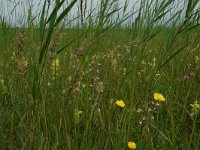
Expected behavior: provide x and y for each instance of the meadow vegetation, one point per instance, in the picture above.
(117, 79)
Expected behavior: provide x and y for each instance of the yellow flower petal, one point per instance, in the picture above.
(131, 145)
(159, 97)
(120, 103)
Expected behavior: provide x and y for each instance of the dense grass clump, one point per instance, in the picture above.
(106, 79)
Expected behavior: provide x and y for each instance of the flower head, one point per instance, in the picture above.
(55, 65)
(3, 86)
(25, 62)
(2, 81)
(196, 59)
(120, 103)
(131, 145)
(77, 114)
(195, 109)
(13, 57)
(159, 97)
(195, 105)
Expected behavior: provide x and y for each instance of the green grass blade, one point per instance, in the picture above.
(65, 12)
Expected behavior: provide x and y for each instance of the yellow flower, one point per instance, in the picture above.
(195, 105)
(55, 65)
(25, 62)
(120, 103)
(158, 74)
(3, 86)
(159, 97)
(77, 114)
(114, 62)
(2, 81)
(119, 55)
(13, 57)
(196, 59)
(131, 145)
(143, 62)
(70, 78)
(195, 109)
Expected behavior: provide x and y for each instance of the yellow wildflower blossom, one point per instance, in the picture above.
(159, 97)
(3, 86)
(70, 78)
(114, 63)
(2, 81)
(55, 65)
(195, 109)
(196, 59)
(77, 114)
(25, 62)
(120, 103)
(131, 145)
(13, 57)
(195, 105)
(157, 74)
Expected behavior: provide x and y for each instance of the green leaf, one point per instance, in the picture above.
(65, 12)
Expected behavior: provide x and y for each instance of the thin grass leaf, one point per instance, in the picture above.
(72, 41)
(65, 12)
(161, 133)
(161, 15)
(172, 56)
(191, 6)
(42, 22)
(55, 10)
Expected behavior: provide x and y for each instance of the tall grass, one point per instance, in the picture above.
(62, 73)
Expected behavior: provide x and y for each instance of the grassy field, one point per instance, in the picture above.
(111, 84)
